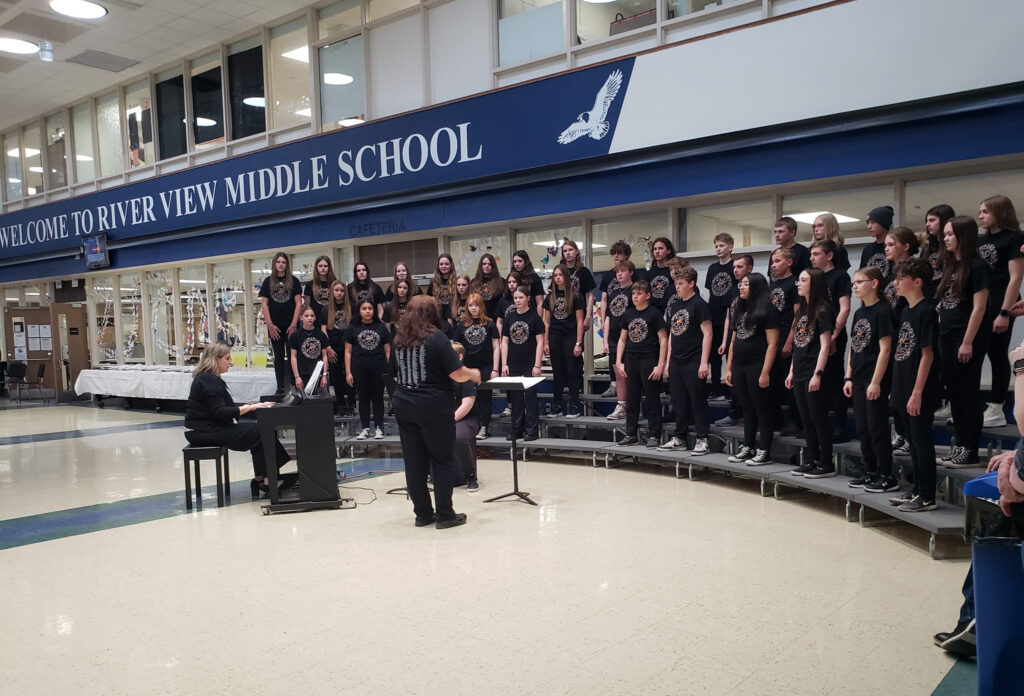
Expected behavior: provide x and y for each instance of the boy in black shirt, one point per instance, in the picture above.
(743, 265)
(840, 288)
(643, 343)
(617, 300)
(879, 224)
(784, 298)
(721, 286)
(785, 237)
(620, 251)
(915, 382)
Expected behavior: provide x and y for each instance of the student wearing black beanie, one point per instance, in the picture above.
(879, 224)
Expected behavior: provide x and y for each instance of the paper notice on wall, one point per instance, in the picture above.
(44, 331)
(33, 330)
(33, 343)
(46, 343)
(20, 342)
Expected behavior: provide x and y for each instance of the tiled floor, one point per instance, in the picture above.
(620, 582)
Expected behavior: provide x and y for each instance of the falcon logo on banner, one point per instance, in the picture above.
(593, 122)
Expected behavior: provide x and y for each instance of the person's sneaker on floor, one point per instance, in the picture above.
(803, 468)
(902, 498)
(472, 485)
(760, 458)
(378, 434)
(555, 411)
(944, 412)
(676, 443)
(610, 392)
(883, 484)
(917, 504)
(459, 519)
(964, 459)
(482, 433)
(628, 440)
(962, 642)
(994, 416)
(742, 455)
(728, 420)
(898, 442)
(700, 447)
(573, 412)
(530, 437)
(862, 481)
(619, 413)
(820, 472)
(507, 412)
(718, 399)
(363, 434)
(949, 455)
(652, 443)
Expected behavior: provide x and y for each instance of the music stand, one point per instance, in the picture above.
(512, 384)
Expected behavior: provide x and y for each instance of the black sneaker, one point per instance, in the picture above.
(963, 458)
(530, 437)
(472, 485)
(760, 458)
(820, 472)
(742, 455)
(628, 440)
(555, 411)
(898, 442)
(882, 484)
(652, 443)
(803, 469)
(962, 642)
(862, 481)
(961, 629)
(902, 498)
(426, 521)
(917, 504)
(459, 519)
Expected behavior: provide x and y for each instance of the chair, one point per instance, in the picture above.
(194, 455)
(16, 383)
(38, 382)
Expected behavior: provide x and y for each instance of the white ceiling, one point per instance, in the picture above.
(153, 32)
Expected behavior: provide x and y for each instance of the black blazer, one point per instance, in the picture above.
(210, 406)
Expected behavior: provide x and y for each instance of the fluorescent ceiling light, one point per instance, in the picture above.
(337, 78)
(11, 180)
(83, 158)
(203, 122)
(31, 294)
(9, 45)
(808, 218)
(257, 102)
(350, 122)
(36, 170)
(79, 9)
(193, 282)
(29, 152)
(300, 54)
(307, 112)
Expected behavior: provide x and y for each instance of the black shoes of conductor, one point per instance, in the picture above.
(459, 519)
(961, 641)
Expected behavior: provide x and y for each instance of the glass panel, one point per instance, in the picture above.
(33, 161)
(103, 295)
(850, 208)
(12, 295)
(195, 318)
(538, 244)
(678, 8)
(466, 251)
(132, 336)
(108, 123)
(138, 123)
(302, 265)
(382, 8)
(229, 305)
(56, 153)
(36, 296)
(340, 19)
(161, 317)
(601, 20)
(750, 224)
(342, 84)
(207, 101)
(85, 149)
(245, 88)
(289, 73)
(638, 232)
(260, 351)
(170, 112)
(963, 193)
(12, 165)
(529, 29)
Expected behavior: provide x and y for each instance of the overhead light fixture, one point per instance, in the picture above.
(12, 180)
(19, 46)
(46, 51)
(257, 102)
(29, 152)
(36, 170)
(300, 54)
(79, 9)
(305, 113)
(808, 218)
(204, 122)
(337, 78)
(346, 122)
(83, 158)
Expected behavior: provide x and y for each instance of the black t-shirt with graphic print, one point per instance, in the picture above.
(308, 346)
(801, 260)
(459, 310)
(522, 331)
(955, 312)
(357, 295)
(874, 255)
(683, 319)
(281, 300)
(917, 328)
(582, 280)
(721, 285)
(997, 250)
(619, 299)
(750, 341)
(368, 340)
(318, 301)
(642, 327)
(505, 308)
(807, 343)
(838, 285)
(662, 286)
(563, 322)
(336, 336)
(870, 325)
(784, 297)
(422, 374)
(476, 339)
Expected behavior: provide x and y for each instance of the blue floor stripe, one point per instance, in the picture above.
(22, 531)
(961, 680)
(91, 432)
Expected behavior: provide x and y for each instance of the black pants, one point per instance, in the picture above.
(637, 384)
(963, 381)
(832, 384)
(998, 349)
(282, 368)
(715, 362)
(922, 450)
(781, 396)
(873, 429)
(465, 447)
(689, 397)
(484, 397)
(567, 370)
(813, 407)
(368, 378)
(427, 429)
(525, 407)
(344, 395)
(240, 437)
(756, 403)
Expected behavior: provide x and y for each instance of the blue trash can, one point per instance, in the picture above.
(998, 588)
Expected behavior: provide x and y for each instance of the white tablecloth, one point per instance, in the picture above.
(246, 386)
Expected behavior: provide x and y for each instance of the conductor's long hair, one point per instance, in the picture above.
(422, 316)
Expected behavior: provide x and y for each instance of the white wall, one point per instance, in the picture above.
(461, 55)
(396, 71)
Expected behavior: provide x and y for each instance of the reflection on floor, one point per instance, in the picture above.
(623, 581)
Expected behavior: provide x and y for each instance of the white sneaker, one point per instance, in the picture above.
(944, 412)
(378, 434)
(482, 433)
(618, 414)
(365, 433)
(994, 416)
(676, 443)
(700, 447)
(507, 412)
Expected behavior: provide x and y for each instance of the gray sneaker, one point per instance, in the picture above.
(700, 447)
(609, 392)
(676, 443)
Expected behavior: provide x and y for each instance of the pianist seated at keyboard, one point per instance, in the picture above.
(211, 413)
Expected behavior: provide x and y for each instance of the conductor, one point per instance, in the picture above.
(424, 403)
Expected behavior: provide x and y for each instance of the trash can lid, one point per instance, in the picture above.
(983, 487)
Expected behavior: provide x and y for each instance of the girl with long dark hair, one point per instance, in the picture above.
(506, 305)
(363, 289)
(338, 319)
(402, 273)
(367, 354)
(933, 250)
(563, 326)
(580, 277)
(478, 334)
(399, 302)
(281, 301)
(488, 283)
(442, 286)
(528, 278)
(318, 290)
(659, 277)
(900, 244)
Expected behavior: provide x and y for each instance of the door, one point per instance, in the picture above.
(72, 346)
(31, 340)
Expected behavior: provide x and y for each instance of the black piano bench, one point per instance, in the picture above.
(194, 455)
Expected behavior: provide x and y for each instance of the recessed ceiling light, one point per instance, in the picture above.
(79, 9)
(12, 180)
(37, 170)
(337, 78)
(808, 218)
(300, 54)
(83, 158)
(29, 152)
(304, 112)
(258, 102)
(204, 122)
(350, 122)
(9, 45)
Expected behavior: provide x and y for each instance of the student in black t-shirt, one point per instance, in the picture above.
(659, 276)
(869, 380)
(900, 245)
(785, 238)
(812, 339)
(488, 283)
(873, 254)
(367, 357)
(641, 352)
(363, 289)
(933, 250)
(522, 349)
(402, 273)
(617, 299)
(563, 328)
(839, 289)
(478, 335)
(467, 425)
(395, 308)
(689, 326)
(529, 279)
(963, 334)
(784, 298)
(619, 251)
(742, 267)
(914, 383)
(462, 283)
(308, 346)
(721, 287)
(505, 305)
(826, 226)
(442, 287)
(316, 292)
(581, 277)
(281, 301)
(337, 321)
(755, 343)
(999, 247)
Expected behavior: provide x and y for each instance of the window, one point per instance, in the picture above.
(604, 19)
(56, 153)
(749, 223)
(33, 160)
(195, 318)
(229, 308)
(108, 125)
(851, 208)
(102, 296)
(340, 19)
(12, 167)
(537, 242)
(260, 350)
(638, 231)
(420, 255)
(132, 335)
(245, 88)
(342, 85)
(138, 123)
(161, 317)
(963, 193)
(85, 149)
(467, 250)
(678, 8)
(170, 113)
(382, 8)
(207, 101)
(529, 29)
(289, 74)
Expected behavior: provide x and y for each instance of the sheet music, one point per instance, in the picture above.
(314, 379)
(526, 382)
